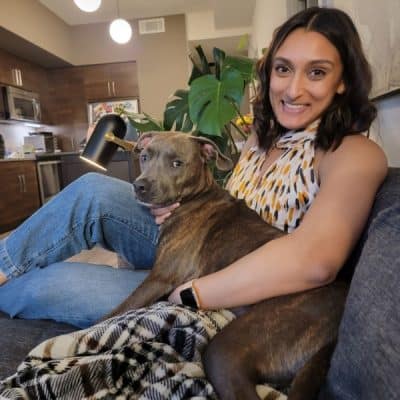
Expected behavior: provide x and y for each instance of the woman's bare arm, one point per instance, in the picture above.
(312, 255)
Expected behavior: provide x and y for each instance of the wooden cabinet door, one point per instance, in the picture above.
(96, 82)
(31, 75)
(110, 81)
(19, 193)
(123, 78)
(6, 68)
(31, 201)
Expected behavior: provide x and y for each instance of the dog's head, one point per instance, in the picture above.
(174, 167)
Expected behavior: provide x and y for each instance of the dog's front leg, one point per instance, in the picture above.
(144, 295)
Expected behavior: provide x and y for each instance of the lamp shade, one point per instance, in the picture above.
(120, 31)
(88, 5)
(98, 150)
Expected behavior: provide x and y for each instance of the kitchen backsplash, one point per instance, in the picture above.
(13, 135)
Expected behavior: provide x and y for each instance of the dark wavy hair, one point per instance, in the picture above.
(349, 113)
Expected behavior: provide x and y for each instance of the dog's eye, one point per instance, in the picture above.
(143, 157)
(177, 163)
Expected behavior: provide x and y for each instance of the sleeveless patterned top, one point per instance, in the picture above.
(284, 192)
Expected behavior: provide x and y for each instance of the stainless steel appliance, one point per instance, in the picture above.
(49, 175)
(19, 105)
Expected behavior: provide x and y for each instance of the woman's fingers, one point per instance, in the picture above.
(162, 213)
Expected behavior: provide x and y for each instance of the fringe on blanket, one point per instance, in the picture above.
(152, 353)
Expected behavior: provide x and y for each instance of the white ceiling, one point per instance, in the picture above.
(228, 13)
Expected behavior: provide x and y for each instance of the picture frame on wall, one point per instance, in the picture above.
(97, 109)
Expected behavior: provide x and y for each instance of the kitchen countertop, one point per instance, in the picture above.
(40, 156)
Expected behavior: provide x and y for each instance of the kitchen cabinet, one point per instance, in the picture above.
(17, 72)
(110, 81)
(124, 165)
(19, 193)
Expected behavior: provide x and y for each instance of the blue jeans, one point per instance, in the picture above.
(93, 210)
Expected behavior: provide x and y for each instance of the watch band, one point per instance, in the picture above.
(188, 298)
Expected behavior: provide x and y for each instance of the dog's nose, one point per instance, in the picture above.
(141, 186)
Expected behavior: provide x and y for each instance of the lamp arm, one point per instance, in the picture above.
(125, 144)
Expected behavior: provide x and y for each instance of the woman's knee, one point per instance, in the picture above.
(75, 293)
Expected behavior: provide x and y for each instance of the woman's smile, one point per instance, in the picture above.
(293, 108)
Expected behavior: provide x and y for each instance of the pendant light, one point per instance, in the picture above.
(120, 29)
(88, 5)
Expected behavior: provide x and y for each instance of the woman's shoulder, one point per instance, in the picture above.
(356, 151)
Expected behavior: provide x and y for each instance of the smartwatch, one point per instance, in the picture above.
(188, 298)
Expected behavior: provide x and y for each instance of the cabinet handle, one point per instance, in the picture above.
(20, 183)
(109, 88)
(18, 77)
(113, 88)
(23, 183)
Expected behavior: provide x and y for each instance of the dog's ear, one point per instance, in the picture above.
(211, 151)
(144, 140)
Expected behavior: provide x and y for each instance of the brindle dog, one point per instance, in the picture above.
(280, 341)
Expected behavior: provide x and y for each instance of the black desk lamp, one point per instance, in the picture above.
(105, 140)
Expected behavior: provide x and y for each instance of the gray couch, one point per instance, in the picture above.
(18, 336)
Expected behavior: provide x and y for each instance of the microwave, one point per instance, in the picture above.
(20, 105)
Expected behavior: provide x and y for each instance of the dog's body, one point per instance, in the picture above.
(274, 339)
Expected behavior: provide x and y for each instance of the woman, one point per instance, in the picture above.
(307, 170)
(311, 107)
(315, 79)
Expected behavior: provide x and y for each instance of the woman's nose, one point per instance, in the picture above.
(295, 87)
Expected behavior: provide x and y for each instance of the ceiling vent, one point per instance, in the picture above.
(154, 25)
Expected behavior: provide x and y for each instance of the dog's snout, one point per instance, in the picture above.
(141, 186)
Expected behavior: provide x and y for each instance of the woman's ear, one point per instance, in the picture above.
(341, 88)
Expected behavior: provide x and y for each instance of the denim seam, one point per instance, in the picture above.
(9, 269)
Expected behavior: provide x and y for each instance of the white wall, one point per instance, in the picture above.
(386, 129)
(201, 25)
(268, 15)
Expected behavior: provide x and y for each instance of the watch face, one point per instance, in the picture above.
(187, 298)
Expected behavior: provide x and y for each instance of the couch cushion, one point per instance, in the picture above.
(386, 195)
(18, 337)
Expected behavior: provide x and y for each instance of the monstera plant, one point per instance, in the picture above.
(211, 103)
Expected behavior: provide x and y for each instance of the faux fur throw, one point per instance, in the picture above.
(152, 353)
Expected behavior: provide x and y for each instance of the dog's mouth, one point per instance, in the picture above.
(156, 204)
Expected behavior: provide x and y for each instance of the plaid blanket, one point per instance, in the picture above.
(151, 353)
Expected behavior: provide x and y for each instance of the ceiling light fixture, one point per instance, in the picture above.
(88, 5)
(120, 29)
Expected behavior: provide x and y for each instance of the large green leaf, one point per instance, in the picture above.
(246, 66)
(176, 114)
(213, 102)
(145, 123)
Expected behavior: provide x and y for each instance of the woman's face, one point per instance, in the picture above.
(306, 74)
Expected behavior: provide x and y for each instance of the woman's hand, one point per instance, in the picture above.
(175, 296)
(162, 213)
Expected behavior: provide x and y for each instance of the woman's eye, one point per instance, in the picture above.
(281, 69)
(177, 163)
(317, 73)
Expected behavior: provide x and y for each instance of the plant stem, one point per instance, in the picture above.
(244, 136)
(233, 144)
(239, 113)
